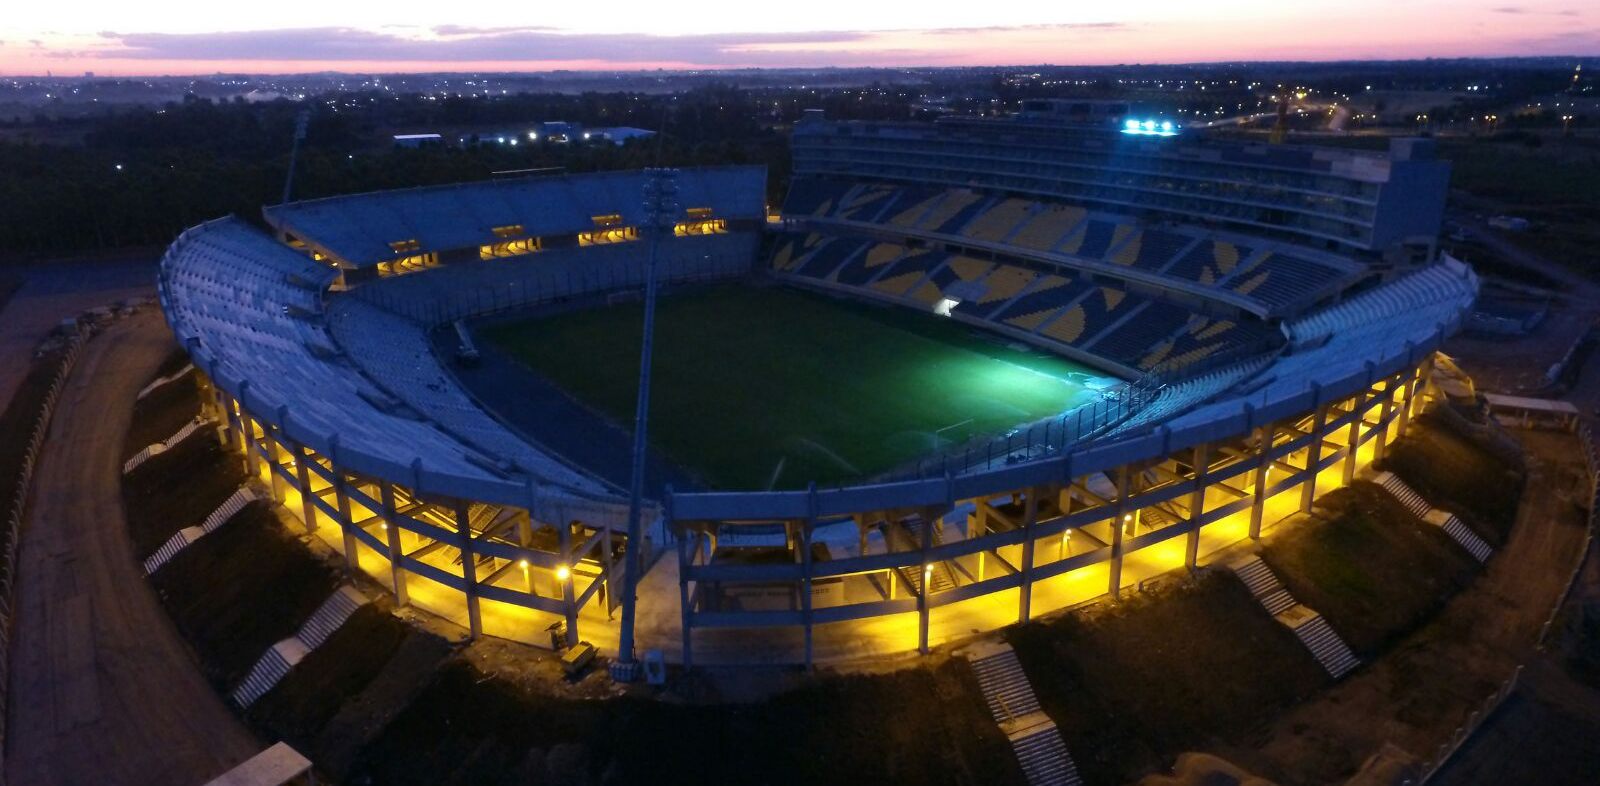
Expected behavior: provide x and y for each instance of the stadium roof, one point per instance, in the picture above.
(362, 230)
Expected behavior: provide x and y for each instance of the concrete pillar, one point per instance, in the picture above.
(568, 597)
(274, 476)
(923, 610)
(391, 530)
(1030, 517)
(803, 535)
(341, 497)
(1118, 512)
(223, 415)
(469, 566)
(1197, 503)
(1381, 450)
(980, 525)
(1308, 489)
(1409, 393)
(1264, 439)
(1353, 436)
(685, 612)
(308, 505)
(252, 456)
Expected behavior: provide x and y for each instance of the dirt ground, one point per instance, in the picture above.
(1428, 684)
(103, 689)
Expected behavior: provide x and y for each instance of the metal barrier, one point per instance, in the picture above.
(13, 530)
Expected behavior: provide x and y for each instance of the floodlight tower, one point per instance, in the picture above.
(300, 122)
(661, 211)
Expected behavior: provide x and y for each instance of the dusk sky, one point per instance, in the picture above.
(121, 38)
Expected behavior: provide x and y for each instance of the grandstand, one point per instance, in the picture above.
(1244, 372)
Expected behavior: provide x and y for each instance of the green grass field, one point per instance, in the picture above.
(764, 386)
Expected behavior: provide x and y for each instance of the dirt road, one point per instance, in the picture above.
(103, 688)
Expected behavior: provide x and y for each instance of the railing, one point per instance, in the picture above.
(1591, 460)
(1053, 435)
(13, 531)
(1464, 732)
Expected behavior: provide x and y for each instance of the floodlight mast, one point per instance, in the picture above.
(300, 122)
(661, 213)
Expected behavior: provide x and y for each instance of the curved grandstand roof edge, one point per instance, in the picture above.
(497, 181)
(514, 489)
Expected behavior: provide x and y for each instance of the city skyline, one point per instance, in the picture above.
(187, 38)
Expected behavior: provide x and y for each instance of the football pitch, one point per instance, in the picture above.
(765, 387)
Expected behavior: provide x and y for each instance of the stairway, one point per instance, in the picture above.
(1005, 686)
(181, 539)
(1044, 756)
(939, 576)
(1264, 585)
(276, 662)
(1419, 507)
(1326, 646)
(1034, 738)
(268, 671)
(1309, 626)
(1407, 496)
(329, 616)
(1469, 540)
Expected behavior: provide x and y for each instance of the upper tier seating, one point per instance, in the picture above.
(1134, 331)
(362, 228)
(1277, 277)
(250, 311)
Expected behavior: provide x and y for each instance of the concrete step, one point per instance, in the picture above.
(1407, 496)
(1326, 646)
(1005, 686)
(330, 616)
(1277, 602)
(269, 670)
(1044, 757)
(1469, 540)
(1256, 576)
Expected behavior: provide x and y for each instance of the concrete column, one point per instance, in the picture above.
(1265, 436)
(1424, 381)
(927, 583)
(980, 525)
(397, 571)
(274, 476)
(803, 535)
(469, 566)
(252, 456)
(568, 597)
(1381, 450)
(1197, 504)
(1409, 393)
(1030, 517)
(224, 416)
(1118, 512)
(1308, 489)
(308, 505)
(1353, 436)
(686, 614)
(341, 497)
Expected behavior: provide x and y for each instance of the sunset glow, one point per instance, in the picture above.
(300, 36)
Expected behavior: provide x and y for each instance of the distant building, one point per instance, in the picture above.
(417, 140)
(557, 131)
(617, 135)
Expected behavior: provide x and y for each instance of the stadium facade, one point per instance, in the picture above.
(1274, 312)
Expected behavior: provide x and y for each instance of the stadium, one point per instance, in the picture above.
(966, 373)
